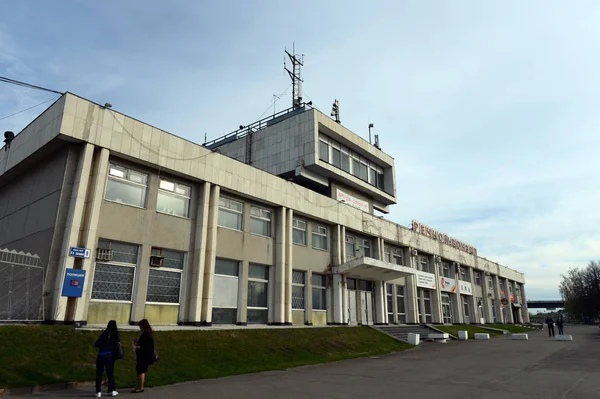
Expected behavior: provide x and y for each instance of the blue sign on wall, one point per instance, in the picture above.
(79, 252)
(73, 285)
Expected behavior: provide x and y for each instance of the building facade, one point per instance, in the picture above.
(273, 224)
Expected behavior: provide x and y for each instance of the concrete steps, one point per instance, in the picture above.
(401, 332)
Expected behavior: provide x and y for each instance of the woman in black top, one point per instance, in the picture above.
(144, 353)
(108, 346)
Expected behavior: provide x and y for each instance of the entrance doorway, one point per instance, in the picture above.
(352, 310)
(466, 315)
(446, 309)
(361, 306)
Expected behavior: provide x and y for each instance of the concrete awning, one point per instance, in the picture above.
(373, 269)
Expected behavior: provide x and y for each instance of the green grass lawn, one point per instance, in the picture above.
(511, 328)
(470, 328)
(38, 355)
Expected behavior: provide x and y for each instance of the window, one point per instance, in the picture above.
(298, 281)
(260, 221)
(364, 246)
(341, 157)
(510, 288)
(501, 284)
(365, 285)
(350, 250)
(323, 151)
(345, 161)
(173, 198)
(113, 280)
(299, 231)
(126, 186)
(164, 283)
(397, 256)
(231, 213)
(445, 270)
(351, 284)
(319, 236)
(226, 286)
(400, 304)
(518, 289)
(427, 303)
(319, 285)
(464, 274)
(389, 293)
(477, 278)
(258, 294)
(423, 264)
(490, 283)
(336, 156)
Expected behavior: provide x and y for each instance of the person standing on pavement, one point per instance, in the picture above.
(108, 350)
(550, 324)
(559, 324)
(144, 353)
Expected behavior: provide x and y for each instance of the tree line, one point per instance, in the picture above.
(580, 289)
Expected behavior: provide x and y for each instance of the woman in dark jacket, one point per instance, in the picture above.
(108, 346)
(144, 353)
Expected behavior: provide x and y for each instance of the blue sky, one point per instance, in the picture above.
(489, 108)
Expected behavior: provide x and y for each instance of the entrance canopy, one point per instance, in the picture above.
(373, 269)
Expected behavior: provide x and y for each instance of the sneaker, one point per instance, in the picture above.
(99, 395)
(114, 393)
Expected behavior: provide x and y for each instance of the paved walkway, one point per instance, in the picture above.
(499, 368)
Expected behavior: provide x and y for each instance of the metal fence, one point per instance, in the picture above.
(21, 287)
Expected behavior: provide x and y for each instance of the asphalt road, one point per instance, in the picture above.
(499, 368)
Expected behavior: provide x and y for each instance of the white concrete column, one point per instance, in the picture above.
(524, 308)
(72, 229)
(379, 254)
(196, 273)
(436, 295)
(242, 303)
(380, 314)
(288, 267)
(280, 239)
(336, 244)
(410, 290)
(487, 310)
(90, 229)
(211, 255)
(457, 314)
(345, 303)
(308, 298)
(473, 309)
(338, 294)
(509, 309)
(498, 303)
(342, 244)
(395, 303)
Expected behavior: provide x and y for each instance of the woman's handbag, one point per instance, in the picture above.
(119, 353)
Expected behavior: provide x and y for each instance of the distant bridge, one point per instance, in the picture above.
(550, 304)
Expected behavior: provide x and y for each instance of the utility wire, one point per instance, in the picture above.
(271, 104)
(28, 85)
(26, 109)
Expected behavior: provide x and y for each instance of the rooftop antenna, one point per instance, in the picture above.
(275, 98)
(335, 111)
(295, 75)
(371, 126)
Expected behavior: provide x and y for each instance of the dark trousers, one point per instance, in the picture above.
(550, 330)
(108, 362)
(560, 330)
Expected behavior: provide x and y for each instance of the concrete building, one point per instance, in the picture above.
(272, 224)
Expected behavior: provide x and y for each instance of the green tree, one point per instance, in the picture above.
(580, 289)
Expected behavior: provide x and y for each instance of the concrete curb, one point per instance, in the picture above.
(441, 332)
(45, 388)
(504, 332)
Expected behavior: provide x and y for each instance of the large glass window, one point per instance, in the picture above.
(427, 303)
(225, 299)
(477, 278)
(299, 231)
(401, 305)
(445, 270)
(464, 274)
(341, 157)
(231, 213)
(319, 289)
(164, 283)
(393, 255)
(424, 264)
(126, 186)
(173, 198)
(350, 250)
(364, 246)
(319, 236)
(258, 294)
(323, 151)
(114, 273)
(260, 221)
(298, 282)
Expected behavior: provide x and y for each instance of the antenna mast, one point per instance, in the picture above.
(295, 75)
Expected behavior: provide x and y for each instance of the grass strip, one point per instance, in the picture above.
(39, 355)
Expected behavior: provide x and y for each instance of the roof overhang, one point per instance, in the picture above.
(373, 269)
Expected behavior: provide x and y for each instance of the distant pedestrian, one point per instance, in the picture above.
(550, 324)
(144, 353)
(109, 350)
(559, 324)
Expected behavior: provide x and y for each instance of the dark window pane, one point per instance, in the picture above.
(257, 294)
(258, 271)
(227, 267)
(224, 316)
(323, 151)
(345, 162)
(318, 297)
(297, 297)
(336, 157)
(258, 316)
